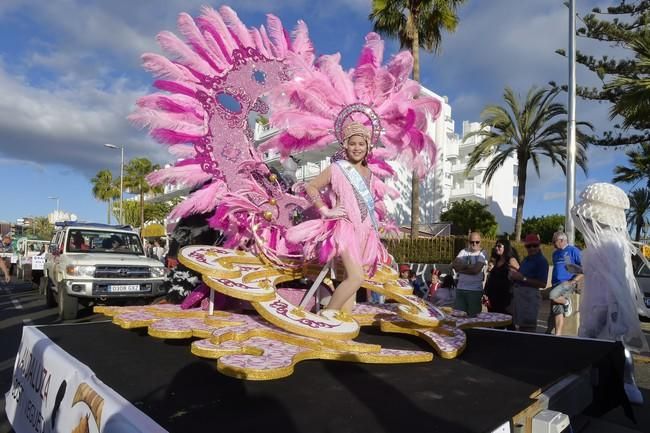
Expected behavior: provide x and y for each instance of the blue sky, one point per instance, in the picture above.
(70, 74)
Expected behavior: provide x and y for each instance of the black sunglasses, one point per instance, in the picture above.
(532, 246)
(475, 242)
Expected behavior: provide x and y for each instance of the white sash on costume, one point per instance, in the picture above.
(356, 180)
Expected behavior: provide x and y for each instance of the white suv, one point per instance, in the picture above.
(89, 263)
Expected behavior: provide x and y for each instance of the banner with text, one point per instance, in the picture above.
(51, 391)
(38, 263)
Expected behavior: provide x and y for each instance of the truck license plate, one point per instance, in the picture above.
(124, 288)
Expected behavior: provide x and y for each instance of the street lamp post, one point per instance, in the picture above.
(571, 126)
(57, 204)
(113, 146)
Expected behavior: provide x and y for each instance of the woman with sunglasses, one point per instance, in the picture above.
(531, 277)
(498, 287)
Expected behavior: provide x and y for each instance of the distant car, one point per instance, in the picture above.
(642, 275)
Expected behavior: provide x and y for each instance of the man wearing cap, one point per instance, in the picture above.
(6, 246)
(564, 282)
(470, 264)
(404, 271)
(529, 280)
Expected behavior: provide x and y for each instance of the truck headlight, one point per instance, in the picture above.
(80, 271)
(158, 271)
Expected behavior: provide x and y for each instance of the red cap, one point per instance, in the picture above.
(404, 267)
(532, 238)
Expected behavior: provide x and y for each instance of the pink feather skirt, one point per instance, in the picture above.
(325, 239)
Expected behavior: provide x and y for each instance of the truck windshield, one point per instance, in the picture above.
(94, 241)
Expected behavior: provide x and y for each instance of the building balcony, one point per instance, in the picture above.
(451, 151)
(310, 170)
(457, 168)
(271, 156)
(472, 190)
(460, 167)
(263, 132)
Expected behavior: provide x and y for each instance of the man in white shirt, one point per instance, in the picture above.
(470, 264)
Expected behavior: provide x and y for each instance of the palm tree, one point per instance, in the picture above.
(639, 207)
(104, 190)
(638, 167)
(528, 132)
(42, 228)
(415, 23)
(135, 179)
(633, 104)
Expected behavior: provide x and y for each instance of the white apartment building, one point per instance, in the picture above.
(446, 182)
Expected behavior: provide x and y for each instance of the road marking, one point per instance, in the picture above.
(28, 322)
(16, 304)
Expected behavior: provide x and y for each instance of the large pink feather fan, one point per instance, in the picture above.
(305, 108)
(212, 144)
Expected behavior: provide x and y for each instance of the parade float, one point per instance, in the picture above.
(214, 83)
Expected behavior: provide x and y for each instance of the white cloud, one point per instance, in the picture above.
(68, 125)
(67, 93)
(34, 165)
(492, 49)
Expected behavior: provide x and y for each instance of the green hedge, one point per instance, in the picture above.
(444, 249)
(422, 250)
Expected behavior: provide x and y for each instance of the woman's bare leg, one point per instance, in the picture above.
(349, 304)
(343, 297)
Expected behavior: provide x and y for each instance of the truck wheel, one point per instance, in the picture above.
(68, 305)
(50, 301)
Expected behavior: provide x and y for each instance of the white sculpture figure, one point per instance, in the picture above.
(611, 300)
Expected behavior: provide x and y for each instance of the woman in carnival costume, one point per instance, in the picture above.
(310, 100)
(611, 300)
(349, 227)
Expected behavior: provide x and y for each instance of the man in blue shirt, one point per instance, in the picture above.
(531, 277)
(564, 282)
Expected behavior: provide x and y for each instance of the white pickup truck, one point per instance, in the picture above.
(26, 250)
(91, 263)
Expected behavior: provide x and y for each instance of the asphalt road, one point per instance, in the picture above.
(20, 304)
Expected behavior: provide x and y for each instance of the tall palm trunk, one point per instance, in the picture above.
(521, 194)
(108, 214)
(415, 179)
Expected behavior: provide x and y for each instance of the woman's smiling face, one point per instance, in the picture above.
(356, 148)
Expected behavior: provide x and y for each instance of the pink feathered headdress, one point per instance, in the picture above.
(307, 107)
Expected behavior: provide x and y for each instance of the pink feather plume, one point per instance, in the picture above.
(203, 200)
(188, 175)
